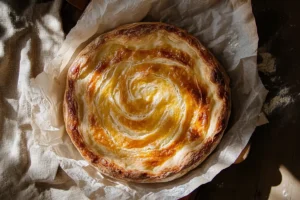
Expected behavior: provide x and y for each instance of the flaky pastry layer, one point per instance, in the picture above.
(146, 102)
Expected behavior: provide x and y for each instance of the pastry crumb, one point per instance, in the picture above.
(281, 100)
(268, 64)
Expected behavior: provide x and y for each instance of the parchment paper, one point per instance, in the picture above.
(226, 27)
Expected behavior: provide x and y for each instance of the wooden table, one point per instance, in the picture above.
(272, 170)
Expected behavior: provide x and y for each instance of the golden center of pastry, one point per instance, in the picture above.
(139, 103)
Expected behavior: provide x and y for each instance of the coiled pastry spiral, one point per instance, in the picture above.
(146, 102)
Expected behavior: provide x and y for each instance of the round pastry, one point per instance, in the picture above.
(146, 102)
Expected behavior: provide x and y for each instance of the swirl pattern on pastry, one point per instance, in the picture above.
(146, 102)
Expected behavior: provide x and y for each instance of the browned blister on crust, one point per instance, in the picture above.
(146, 102)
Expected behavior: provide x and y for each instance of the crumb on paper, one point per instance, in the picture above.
(281, 100)
(268, 64)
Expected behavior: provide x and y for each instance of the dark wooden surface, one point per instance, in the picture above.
(276, 144)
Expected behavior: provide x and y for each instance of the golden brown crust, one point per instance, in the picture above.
(194, 157)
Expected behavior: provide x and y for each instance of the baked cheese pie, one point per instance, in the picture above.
(146, 102)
